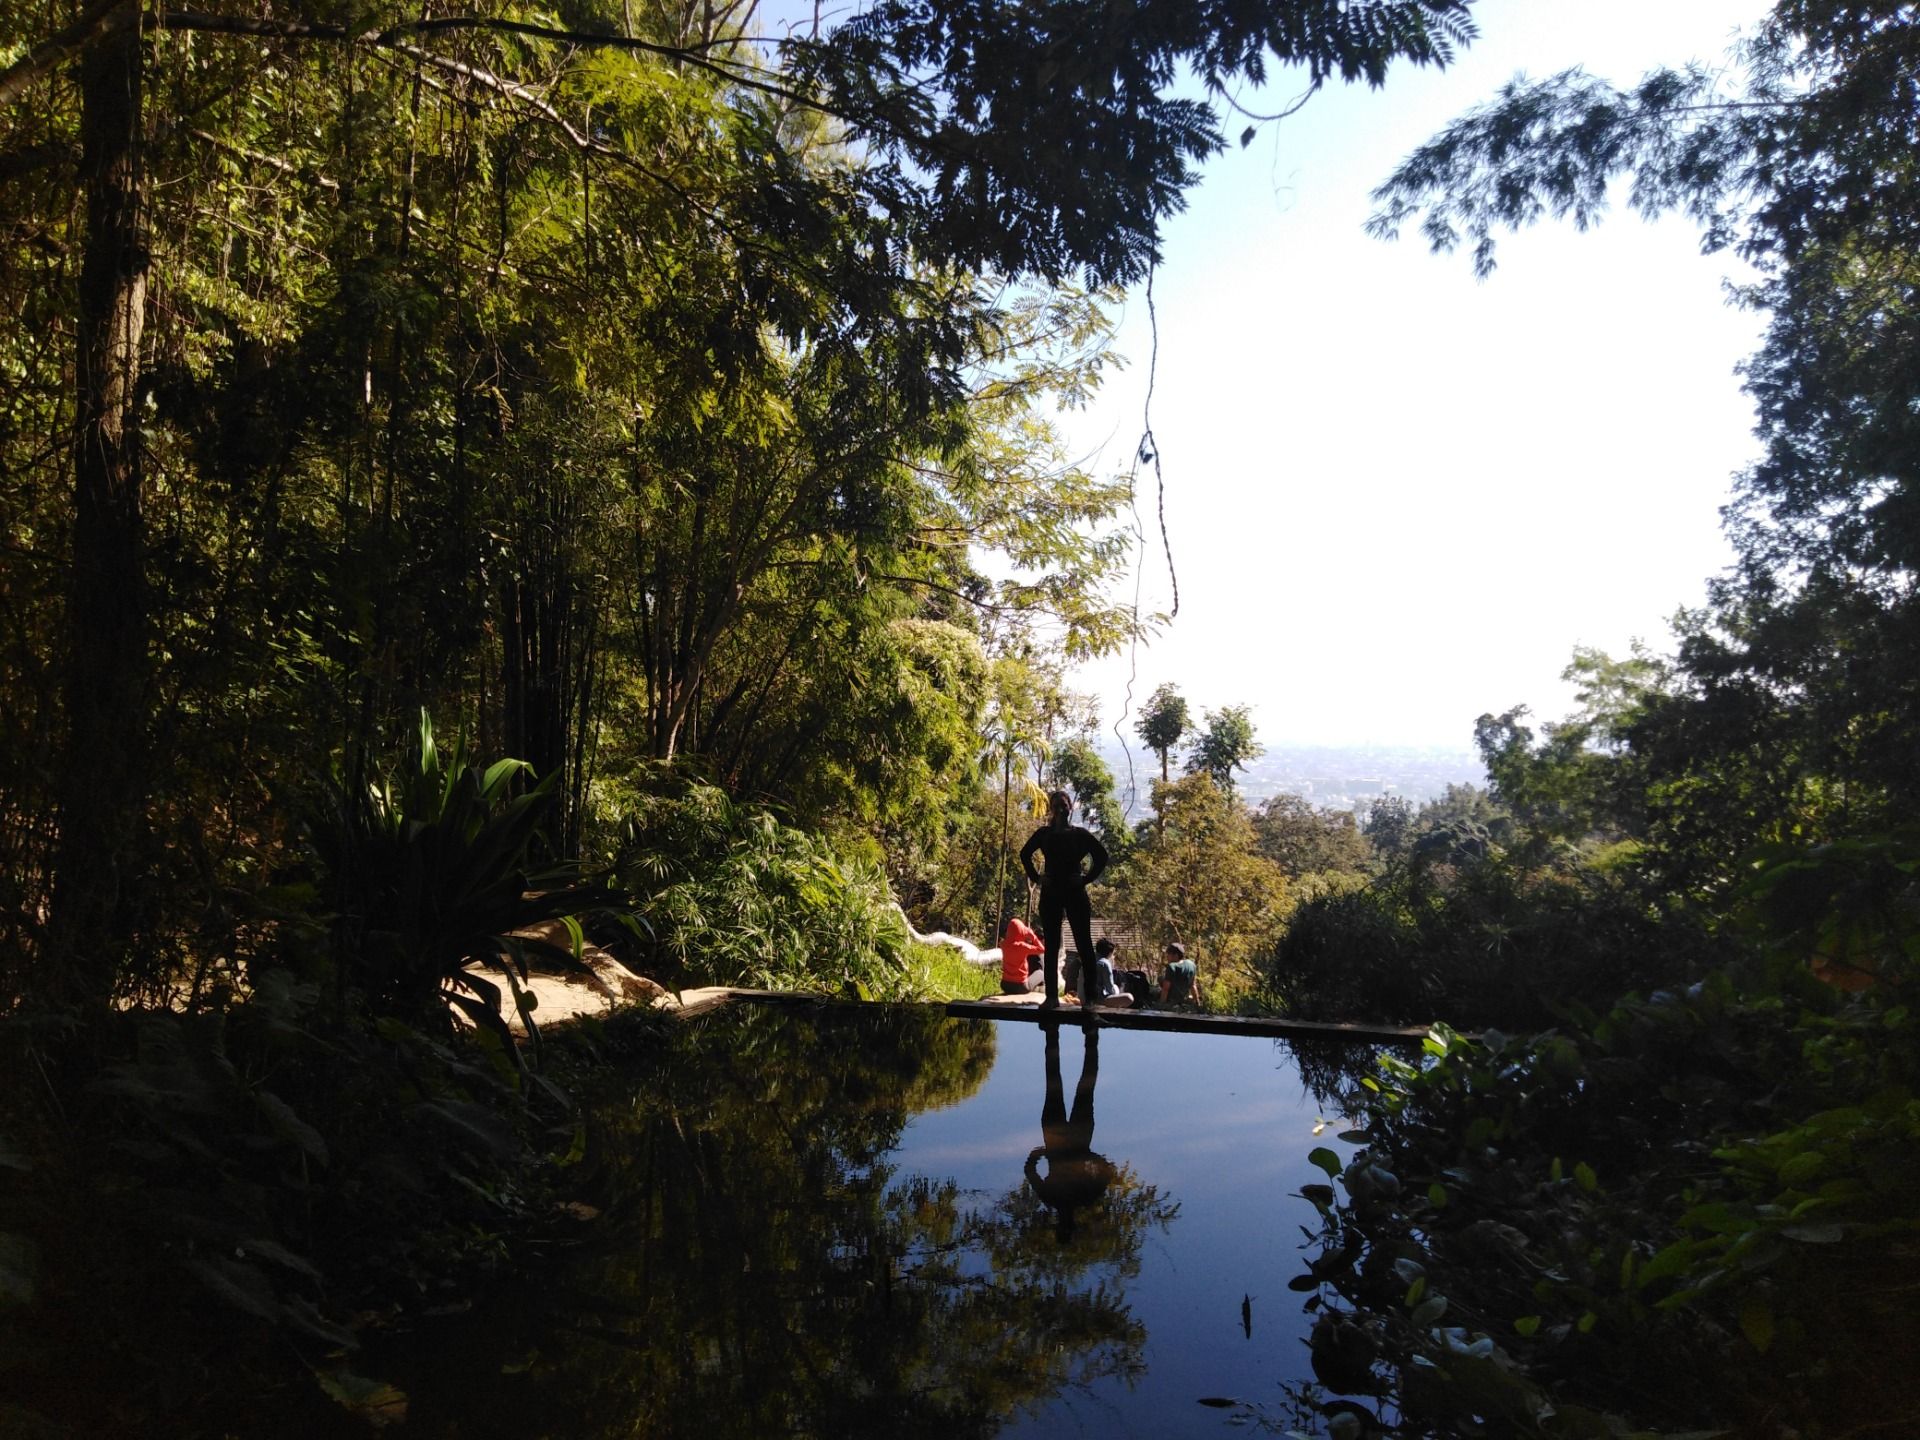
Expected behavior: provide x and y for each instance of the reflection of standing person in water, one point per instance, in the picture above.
(1063, 885)
(1075, 1177)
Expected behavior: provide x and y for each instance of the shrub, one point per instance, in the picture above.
(1491, 941)
(215, 1215)
(729, 895)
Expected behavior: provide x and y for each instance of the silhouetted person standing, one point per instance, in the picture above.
(1074, 859)
(1075, 1177)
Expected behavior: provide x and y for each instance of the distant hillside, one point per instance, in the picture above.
(1335, 777)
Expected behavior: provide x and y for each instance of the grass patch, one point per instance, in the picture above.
(937, 972)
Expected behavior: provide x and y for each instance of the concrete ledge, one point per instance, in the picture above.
(1019, 1007)
(1190, 1022)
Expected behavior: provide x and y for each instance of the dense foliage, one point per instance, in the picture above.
(659, 403)
(667, 407)
(1686, 1204)
(728, 894)
(1196, 877)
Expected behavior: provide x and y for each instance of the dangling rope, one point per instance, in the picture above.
(1146, 453)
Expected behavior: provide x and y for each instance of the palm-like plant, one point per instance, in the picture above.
(434, 867)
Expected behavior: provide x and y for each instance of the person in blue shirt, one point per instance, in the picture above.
(1098, 985)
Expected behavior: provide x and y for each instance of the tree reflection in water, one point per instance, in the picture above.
(1331, 1070)
(761, 1266)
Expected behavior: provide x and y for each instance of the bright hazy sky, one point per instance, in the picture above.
(1398, 496)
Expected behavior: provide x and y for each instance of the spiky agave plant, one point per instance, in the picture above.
(435, 867)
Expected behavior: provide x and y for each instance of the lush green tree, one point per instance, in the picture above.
(951, 97)
(1226, 744)
(1461, 828)
(1077, 768)
(1198, 878)
(1032, 733)
(1791, 707)
(1025, 703)
(1303, 839)
(1578, 780)
(1557, 785)
(1164, 722)
(1388, 826)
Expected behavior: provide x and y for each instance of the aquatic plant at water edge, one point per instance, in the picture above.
(1692, 1213)
(211, 1225)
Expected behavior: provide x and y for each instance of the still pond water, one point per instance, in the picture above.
(885, 1222)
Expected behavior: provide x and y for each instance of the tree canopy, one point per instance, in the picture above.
(629, 389)
(1226, 744)
(1164, 722)
(1799, 682)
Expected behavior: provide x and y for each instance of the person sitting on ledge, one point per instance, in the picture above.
(1097, 985)
(1020, 958)
(1179, 979)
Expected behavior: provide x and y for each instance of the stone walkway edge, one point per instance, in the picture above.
(1015, 1007)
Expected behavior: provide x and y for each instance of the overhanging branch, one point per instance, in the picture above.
(104, 17)
(99, 20)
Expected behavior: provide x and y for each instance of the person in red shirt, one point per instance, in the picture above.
(1019, 970)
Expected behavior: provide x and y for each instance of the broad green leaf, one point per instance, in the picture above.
(1828, 1234)
(373, 1401)
(1799, 1169)
(1669, 1261)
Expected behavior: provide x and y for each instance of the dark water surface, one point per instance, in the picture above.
(886, 1222)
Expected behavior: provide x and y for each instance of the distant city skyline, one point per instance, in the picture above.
(1397, 497)
(1331, 777)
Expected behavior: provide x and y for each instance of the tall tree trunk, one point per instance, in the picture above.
(1001, 909)
(103, 783)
